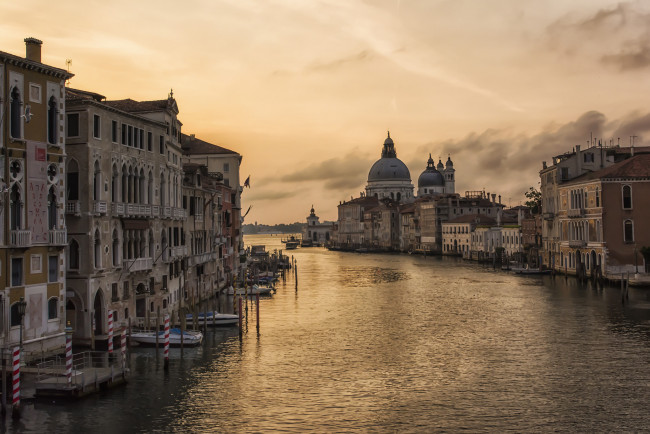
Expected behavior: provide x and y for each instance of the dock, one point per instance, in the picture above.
(92, 372)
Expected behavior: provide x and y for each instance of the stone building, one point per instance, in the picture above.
(319, 233)
(126, 238)
(350, 222)
(32, 184)
(381, 226)
(457, 233)
(437, 179)
(389, 177)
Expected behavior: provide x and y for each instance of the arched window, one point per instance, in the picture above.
(141, 186)
(125, 184)
(73, 255)
(98, 249)
(51, 209)
(53, 308)
(115, 176)
(73, 180)
(151, 245)
(15, 113)
(628, 231)
(627, 197)
(597, 197)
(162, 190)
(51, 121)
(116, 249)
(16, 212)
(15, 315)
(150, 189)
(96, 181)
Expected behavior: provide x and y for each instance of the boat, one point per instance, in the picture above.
(291, 243)
(522, 270)
(147, 338)
(252, 290)
(213, 319)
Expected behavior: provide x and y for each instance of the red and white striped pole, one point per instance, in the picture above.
(123, 348)
(68, 354)
(110, 332)
(166, 362)
(16, 384)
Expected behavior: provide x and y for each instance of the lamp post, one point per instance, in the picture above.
(22, 305)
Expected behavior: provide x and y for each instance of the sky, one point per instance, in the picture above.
(306, 90)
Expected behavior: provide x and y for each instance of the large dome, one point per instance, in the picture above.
(431, 177)
(389, 169)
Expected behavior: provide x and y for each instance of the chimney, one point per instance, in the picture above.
(33, 49)
(499, 199)
(543, 164)
(579, 162)
(494, 196)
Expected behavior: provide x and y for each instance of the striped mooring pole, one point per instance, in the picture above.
(15, 411)
(68, 354)
(123, 349)
(166, 362)
(110, 332)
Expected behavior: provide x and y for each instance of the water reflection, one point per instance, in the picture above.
(395, 343)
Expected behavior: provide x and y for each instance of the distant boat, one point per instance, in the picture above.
(291, 243)
(190, 338)
(251, 291)
(213, 319)
(522, 270)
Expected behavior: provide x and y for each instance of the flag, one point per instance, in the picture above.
(247, 183)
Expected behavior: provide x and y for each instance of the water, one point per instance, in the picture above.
(388, 343)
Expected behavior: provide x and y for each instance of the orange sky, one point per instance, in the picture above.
(305, 90)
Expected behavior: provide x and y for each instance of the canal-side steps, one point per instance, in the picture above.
(92, 372)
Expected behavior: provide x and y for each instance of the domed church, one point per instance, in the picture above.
(437, 179)
(389, 177)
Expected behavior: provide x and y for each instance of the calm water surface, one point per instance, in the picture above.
(393, 343)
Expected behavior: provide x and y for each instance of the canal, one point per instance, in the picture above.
(393, 343)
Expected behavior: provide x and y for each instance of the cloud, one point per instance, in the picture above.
(507, 162)
(616, 36)
(361, 56)
(336, 173)
(264, 195)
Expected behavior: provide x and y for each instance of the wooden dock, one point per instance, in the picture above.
(92, 372)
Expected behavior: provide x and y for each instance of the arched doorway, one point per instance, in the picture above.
(71, 314)
(140, 301)
(593, 262)
(98, 305)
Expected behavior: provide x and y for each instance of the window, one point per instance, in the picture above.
(628, 231)
(126, 290)
(149, 141)
(36, 264)
(627, 197)
(565, 173)
(51, 209)
(52, 269)
(141, 139)
(51, 121)
(73, 125)
(114, 295)
(161, 144)
(597, 197)
(53, 308)
(124, 131)
(97, 127)
(129, 135)
(226, 167)
(15, 114)
(16, 211)
(114, 131)
(73, 255)
(16, 271)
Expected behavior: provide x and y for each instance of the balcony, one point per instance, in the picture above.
(548, 215)
(19, 238)
(166, 212)
(577, 244)
(73, 207)
(100, 207)
(136, 210)
(198, 217)
(178, 251)
(139, 264)
(117, 209)
(180, 213)
(58, 237)
(202, 258)
(578, 212)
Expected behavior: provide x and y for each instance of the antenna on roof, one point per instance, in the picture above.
(68, 62)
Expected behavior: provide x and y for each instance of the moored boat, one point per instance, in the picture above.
(213, 319)
(147, 338)
(251, 291)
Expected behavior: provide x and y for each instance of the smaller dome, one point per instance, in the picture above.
(440, 166)
(431, 177)
(449, 162)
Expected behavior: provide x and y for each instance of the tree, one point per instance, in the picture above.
(534, 201)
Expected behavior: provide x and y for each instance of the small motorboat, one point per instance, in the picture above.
(146, 338)
(213, 319)
(251, 291)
